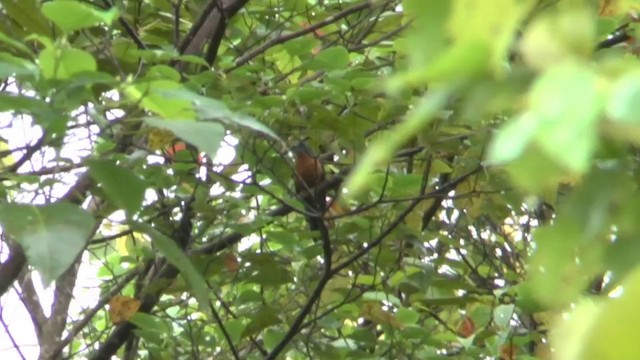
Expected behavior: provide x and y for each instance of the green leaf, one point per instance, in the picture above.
(177, 258)
(440, 167)
(427, 35)
(381, 296)
(28, 15)
(308, 94)
(206, 136)
(51, 235)
(535, 171)
(153, 337)
(272, 338)
(265, 317)
(558, 36)
(163, 72)
(503, 314)
(513, 139)
(622, 104)
(333, 58)
(74, 15)
(274, 276)
(494, 25)
(87, 79)
(212, 109)
(14, 66)
(150, 323)
(382, 149)
(22, 104)
(620, 257)
(56, 63)
(556, 275)
(17, 45)
(234, 327)
(124, 187)
(611, 328)
(297, 47)
(459, 63)
(407, 316)
(569, 335)
(286, 63)
(153, 96)
(265, 270)
(568, 101)
(193, 59)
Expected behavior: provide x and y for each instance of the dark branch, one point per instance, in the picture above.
(296, 34)
(127, 28)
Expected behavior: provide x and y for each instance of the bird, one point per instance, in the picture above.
(309, 173)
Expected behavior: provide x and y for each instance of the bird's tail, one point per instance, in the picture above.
(315, 207)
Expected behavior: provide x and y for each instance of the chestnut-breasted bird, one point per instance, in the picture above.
(309, 173)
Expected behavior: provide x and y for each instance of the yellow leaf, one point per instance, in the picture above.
(612, 8)
(375, 313)
(126, 245)
(122, 308)
(7, 160)
(159, 139)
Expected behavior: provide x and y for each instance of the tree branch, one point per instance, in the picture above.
(127, 28)
(53, 328)
(31, 302)
(362, 252)
(249, 55)
(11, 268)
(211, 25)
(315, 296)
(124, 281)
(120, 334)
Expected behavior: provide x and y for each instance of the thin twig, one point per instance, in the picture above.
(296, 34)
(94, 310)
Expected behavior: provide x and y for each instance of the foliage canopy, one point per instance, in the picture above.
(481, 160)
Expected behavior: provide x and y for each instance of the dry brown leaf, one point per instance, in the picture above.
(466, 328)
(122, 308)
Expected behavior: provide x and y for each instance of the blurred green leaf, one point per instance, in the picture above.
(150, 322)
(625, 95)
(13, 66)
(503, 314)
(151, 95)
(568, 101)
(206, 136)
(265, 317)
(272, 338)
(212, 109)
(123, 186)
(62, 63)
(333, 58)
(494, 25)
(177, 258)
(235, 328)
(383, 149)
(559, 270)
(459, 63)
(513, 139)
(570, 335)
(74, 15)
(15, 44)
(51, 235)
(27, 13)
(559, 35)
(608, 330)
(427, 34)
